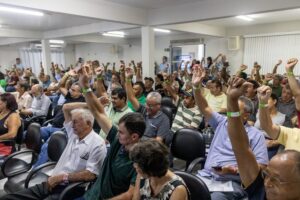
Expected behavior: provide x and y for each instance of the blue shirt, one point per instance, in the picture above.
(221, 153)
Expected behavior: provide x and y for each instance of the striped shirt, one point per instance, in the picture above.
(186, 117)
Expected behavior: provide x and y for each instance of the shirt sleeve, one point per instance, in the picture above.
(69, 128)
(111, 136)
(164, 129)
(256, 189)
(215, 119)
(96, 158)
(287, 134)
(258, 146)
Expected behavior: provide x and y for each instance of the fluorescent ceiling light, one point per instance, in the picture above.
(51, 46)
(162, 30)
(245, 17)
(21, 11)
(114, 34)
(56, 41)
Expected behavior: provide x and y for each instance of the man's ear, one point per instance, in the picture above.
(135, 136)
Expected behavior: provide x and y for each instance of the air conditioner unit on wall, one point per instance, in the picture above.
(233, 43)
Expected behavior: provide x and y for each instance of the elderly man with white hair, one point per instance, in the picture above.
(80, 161)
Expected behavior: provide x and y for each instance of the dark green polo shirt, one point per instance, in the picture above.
(117, 173)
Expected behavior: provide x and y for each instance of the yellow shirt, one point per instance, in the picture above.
(290, 138)
(216, 103)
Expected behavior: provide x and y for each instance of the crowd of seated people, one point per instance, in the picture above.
(254, 152)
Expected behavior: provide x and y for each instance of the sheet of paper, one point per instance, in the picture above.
(218, 186)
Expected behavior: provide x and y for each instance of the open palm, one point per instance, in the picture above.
(198, 75)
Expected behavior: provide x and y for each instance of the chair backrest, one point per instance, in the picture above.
(56, 146)
(33, 137)
(198, 189)
(188, 144)
(168, 111)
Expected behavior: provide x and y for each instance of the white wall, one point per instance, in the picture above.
(8, 55)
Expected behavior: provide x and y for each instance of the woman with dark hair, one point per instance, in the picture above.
(9, 121)
(154, 179)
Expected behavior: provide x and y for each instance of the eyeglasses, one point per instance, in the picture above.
(275, 180)
(151, 106)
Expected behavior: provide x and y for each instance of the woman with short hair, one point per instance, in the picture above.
(154, 179)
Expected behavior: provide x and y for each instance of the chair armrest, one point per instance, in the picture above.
(47, 122)
(13, 155)
(74, 190)
(40, 118)
(36, 170)
(194, 163)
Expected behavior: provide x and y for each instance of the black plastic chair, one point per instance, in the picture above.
(168, 102)
(198, 189)
(16, 164)
(168, 111)
(189, 145)
(56, 146)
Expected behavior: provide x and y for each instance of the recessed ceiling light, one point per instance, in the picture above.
(21, 11)
(51, 46)
(245, 17)
(162, 30)
(56, 41)
(114, 34)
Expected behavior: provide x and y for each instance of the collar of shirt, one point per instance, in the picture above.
(123, 151)
(155, 116)
(88, 139)
(122, 110)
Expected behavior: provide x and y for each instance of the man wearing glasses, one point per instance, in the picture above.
(157, 123)
(281, 179)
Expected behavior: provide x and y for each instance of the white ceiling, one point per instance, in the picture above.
(261, 18)
(50, 21)
(152, 4)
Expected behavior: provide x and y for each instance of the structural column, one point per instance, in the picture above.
(148, 51)
(46, 56)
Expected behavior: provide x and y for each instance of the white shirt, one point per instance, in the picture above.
(40, 105)
(86, 154)
(24, 101)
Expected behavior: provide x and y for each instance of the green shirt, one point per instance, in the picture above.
(117, 173)
(276, 90)
(3, 83)
(115, 115)
(141, 100)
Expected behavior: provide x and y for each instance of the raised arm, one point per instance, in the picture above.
(292, 81)
(247, 164)
(68, 107)
(100, 87)
(139, 76)
(198, 76)
(129, 90)
(93, 104)
(276, 66)
(264, 93)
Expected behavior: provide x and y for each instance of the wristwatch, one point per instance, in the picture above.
(66, 178)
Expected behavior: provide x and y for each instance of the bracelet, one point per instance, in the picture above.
(100, 78)
(128, 80)
(197, 87)
(66, 178)
(233, 114)
(86, 90)
(262, 105)
(290, 73)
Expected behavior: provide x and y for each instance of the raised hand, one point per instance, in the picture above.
(279, 62)
(99, 71)
(129, 73)
(263, 93)
(291, 63)
(237, 87)
(84, 77)
(243, 67)
(198, 75)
